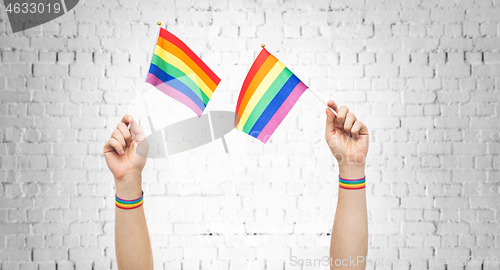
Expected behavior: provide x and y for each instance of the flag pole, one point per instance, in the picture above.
(321, 100)
(312, 91)
(150, 57)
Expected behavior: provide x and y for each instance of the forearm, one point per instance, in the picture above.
(132, 243)
(350, 228)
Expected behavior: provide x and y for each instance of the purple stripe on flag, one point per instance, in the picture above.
(271, 126)
(173, 93)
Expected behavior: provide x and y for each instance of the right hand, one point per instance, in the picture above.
(346, 136)
(120, 151)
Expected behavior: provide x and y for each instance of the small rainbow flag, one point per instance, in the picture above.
(178, 72)
(268, 93)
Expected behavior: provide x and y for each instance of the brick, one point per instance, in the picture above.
(273, 253)
(416, 253)
(15, 255)
(85, 71)
(47, 70)
(125, 44)
(469, 148)
(452, 122)
(84, 44)
(418, 97)
(390, 71)
(79, 254)
(344, 16)
(15, 96)
(15, 70)
(205, 253)
(87, 203)
(450, 202)
(123, 71)
(417, 71)
(14, 42)
(49, 254)
(485, 70)
(416, 202)
(43, 43)
(382, 16)
(92, 15)
(414, 15)
(416, 122)
(418, 227)
(463, 44)
(418, 44)
(455, 71)
(483, 14)
(447, 15)
(14, 228)
(450, 254)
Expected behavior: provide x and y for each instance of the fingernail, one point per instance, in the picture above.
(122, 152)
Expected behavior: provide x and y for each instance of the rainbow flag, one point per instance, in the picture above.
(268, 93)
(178, 72)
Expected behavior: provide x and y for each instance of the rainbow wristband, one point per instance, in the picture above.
(129, 204)
(352, 183)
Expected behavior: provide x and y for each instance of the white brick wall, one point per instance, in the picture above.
(423, 75)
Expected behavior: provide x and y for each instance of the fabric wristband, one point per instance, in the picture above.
(129, 204)
(352, 183)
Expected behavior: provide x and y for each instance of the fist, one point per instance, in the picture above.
(120, 151)
(346, 136)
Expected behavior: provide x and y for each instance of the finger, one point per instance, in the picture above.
(358, 128)
(117, 135)
(330, 121)
(349, 121)
(333, 105)
(341, 115)
(127, 119)
(113, 144)
(125, 132)
(137, 131)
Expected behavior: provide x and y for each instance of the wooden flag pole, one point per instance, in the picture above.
(158, 26)
(312, 91)
(322, 100)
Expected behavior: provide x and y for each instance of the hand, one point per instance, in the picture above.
(120, 151)
(346, 136)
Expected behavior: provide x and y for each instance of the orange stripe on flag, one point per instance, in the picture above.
(171, 48)
(259, 76)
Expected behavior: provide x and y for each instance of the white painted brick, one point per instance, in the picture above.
(484, 14)
(454, 71)
(418, 97)
(49, 254)
(447, 15)
(485, 70)
(344, 16)
(382, 16)
(456, 44)
(416, 253)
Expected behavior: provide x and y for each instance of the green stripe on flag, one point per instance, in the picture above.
(267, 98)
(181, 76)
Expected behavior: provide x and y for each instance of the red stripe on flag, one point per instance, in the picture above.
(177, 42)
(261, 58)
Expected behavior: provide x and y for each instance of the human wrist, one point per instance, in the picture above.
(129, 187)
(352, 171)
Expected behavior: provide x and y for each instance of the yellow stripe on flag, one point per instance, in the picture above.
(176, 62)
(259, 92)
